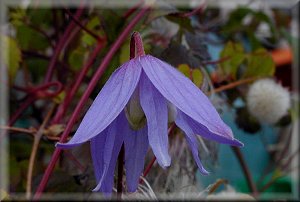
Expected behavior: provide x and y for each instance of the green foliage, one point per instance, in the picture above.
(31, 39)
(197, 77)
(235, 25)
(41, 17)
(93, 25)
(183, 22)
(194, 74)
(17, 16)
(12, 56)
(37, 67)
(77, 57)
(234, 55)
(259, 63)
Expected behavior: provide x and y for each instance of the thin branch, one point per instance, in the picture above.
(71, 92)
(246, 170)
(30, 131)
(216, 185)
(216, 61)
(29, 100)
(60, 45)
(35, 146)
(115, 47)
(74, 160)
(75, 19)
(233, 85)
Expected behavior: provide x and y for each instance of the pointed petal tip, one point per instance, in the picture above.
(237, 143)
(96, 189)
(203, 171)
(165, 163)
(65, 145)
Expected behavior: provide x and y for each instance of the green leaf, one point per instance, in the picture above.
(125, 53)
(183, 22)
(30, 39)
(185, 69)
(197, 77)
(234, 54)
(77, 57)
(12, 56)
(260, 63)
(196, 74)
(16, 16)
(4, 195)
(93, 25)
(37, 68)
(40, 16)
(14, 172)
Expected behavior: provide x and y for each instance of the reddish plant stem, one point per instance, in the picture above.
(29, 100)
(197, 10)
(129, 12)
(85, 96)
(216, 61)
(60, 45)
(63, 107)
(120, 172)
(148, 168)
(136, 45)
(136, 49)
(98, 38)
(33, 95)
(75, 160)
(245, 169)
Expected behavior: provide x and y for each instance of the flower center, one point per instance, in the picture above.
(172, 112)
(134, 112)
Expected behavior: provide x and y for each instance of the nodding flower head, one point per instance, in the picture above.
(134, 108)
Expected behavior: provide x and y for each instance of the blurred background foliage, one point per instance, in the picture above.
(214, 47)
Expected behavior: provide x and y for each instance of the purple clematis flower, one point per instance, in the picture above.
(133, 108)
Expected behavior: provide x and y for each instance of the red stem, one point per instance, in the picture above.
(98, 38)
(64, 40)
(132, 10)
(62, 108)
(29, 100)
(246, 170)
(136, 45)
(115, 47)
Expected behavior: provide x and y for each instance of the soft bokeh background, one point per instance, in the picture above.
(222, 47)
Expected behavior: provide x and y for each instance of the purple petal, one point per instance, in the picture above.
(105, 149)
(187, 97)
(204, 132)
(136, 146)
(192, 141)
(155, 109)
(108, 104)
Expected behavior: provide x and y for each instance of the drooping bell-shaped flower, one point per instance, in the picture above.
(134, 107)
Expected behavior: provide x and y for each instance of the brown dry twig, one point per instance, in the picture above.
(37, 138)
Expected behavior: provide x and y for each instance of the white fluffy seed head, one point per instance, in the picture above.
(267, 101)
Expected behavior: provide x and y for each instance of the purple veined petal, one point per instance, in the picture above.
(155, 108)
(192, 141)
(105, 155)
(187, 97)
(97, 153)
(108, 104)
(201, 130)
(136, 147)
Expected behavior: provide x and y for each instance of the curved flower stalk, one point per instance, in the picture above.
(133, 108)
